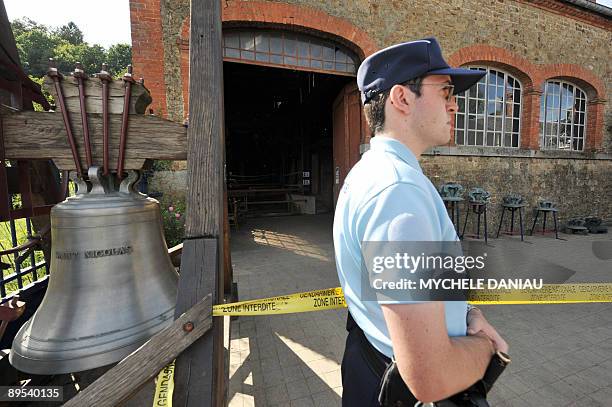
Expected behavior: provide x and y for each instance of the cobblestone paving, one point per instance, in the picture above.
(562, 354)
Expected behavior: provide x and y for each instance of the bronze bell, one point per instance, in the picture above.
(112, 284)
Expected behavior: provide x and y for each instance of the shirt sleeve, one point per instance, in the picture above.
(402, 212)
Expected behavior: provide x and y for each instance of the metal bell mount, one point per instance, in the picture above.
(112, 284)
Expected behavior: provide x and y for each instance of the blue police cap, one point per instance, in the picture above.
(402, 62)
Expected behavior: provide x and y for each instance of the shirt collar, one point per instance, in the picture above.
(393, 146)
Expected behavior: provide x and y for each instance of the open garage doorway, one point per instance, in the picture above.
(293, 121)
(293, 128)
(279, 139)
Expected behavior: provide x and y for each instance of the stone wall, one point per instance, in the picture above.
(578, 187)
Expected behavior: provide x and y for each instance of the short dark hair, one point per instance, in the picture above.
(374, 109)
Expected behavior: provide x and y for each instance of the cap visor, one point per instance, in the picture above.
(463, 79)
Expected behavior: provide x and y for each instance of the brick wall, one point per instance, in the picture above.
(147, 52)
(533, 40)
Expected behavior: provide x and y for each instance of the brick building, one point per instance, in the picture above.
(539, 123)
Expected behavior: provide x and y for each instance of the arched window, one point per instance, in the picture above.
(562, 116)
(288, 49)
(489, 112)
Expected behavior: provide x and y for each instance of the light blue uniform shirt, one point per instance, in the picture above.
(386, 197)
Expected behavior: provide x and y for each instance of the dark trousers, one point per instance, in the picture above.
(359, 382)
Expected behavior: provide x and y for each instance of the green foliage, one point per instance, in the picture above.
(162, 165)
(6, 242)
(37, 43)
(118, 57)
(35, 47)
(173, 216)
(38, 107)
(70, 33)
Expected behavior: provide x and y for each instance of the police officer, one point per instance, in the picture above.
(440, 348)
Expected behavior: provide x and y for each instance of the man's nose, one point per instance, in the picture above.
(452, 105)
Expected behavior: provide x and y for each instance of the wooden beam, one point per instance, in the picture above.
(139, 100)
(123, 380)
(41, 135)
(200, 372)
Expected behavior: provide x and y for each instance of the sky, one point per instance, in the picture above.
(105, 23)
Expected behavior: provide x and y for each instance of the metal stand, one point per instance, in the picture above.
(512, 209)
(545, 211)
(479, 209)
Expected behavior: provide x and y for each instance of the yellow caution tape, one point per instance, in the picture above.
(164, 387)
(548, 294)
(318, 300)
(333, 298)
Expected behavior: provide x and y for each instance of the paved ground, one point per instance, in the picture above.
(562, 354)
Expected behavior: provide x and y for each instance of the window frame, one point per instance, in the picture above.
(543, 109)
(288, 49)
(465, 99)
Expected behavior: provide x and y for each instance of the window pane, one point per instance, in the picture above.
(247, 41)
(247, 55)
(480, 90)
(471, 138)
(480, 123)
(231, 40)
(290, 60)
(340, 56)
(260, 56)
(460, 121)
(290, 46)
(498, 123)
(472, 106)
(276, 43)
(328, 53)
(303, 49)
(262, 43)
(479, 138)
(340, 67)
(232, 53)
(480, 107)
(276, 59)
(459, 139)
(316, 51)
(316, 64)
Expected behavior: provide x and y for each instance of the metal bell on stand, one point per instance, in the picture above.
(112, 284)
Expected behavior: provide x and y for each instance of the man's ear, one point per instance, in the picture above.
(401, 99)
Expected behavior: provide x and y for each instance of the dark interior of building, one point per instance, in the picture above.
(279, 137)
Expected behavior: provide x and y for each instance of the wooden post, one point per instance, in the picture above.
(200, 375)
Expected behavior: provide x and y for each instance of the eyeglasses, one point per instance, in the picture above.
(448, 88)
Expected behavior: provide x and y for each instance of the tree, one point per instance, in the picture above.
(118, 57)
(21, 25)
(35, 47)
(37, 43)
(70, 33)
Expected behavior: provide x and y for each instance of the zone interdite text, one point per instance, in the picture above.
(460, 264)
